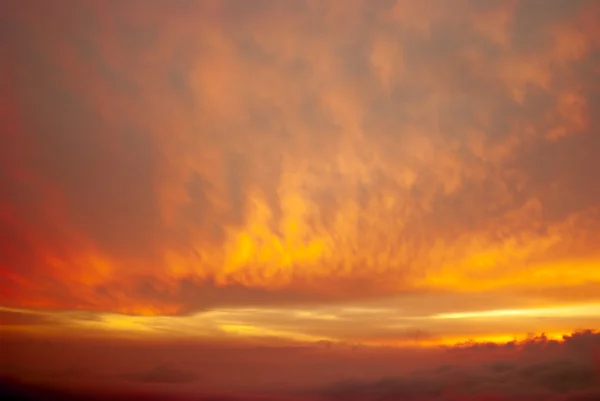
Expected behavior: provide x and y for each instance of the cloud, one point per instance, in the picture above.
(535, 369)
(276, 152)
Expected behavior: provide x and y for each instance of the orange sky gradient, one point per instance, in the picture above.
(375, 173)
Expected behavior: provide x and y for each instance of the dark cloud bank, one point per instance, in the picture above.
(538, 369)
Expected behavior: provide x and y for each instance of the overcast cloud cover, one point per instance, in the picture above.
(247, 195)
(170, 157)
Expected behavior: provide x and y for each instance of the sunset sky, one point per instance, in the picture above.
(296, 173)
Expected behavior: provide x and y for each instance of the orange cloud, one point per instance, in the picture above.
(173, 159)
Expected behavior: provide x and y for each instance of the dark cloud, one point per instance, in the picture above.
(22, 391)
(535, 369)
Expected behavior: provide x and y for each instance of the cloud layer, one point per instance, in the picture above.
(532, 370)
(165, 159)
(536, 369)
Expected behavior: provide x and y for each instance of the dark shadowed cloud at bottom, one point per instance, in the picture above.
(534, 369)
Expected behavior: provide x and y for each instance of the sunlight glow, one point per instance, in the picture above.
(563, 311)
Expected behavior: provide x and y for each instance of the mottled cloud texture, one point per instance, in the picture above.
(172, 157)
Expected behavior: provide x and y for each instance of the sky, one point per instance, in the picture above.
(252, 177)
